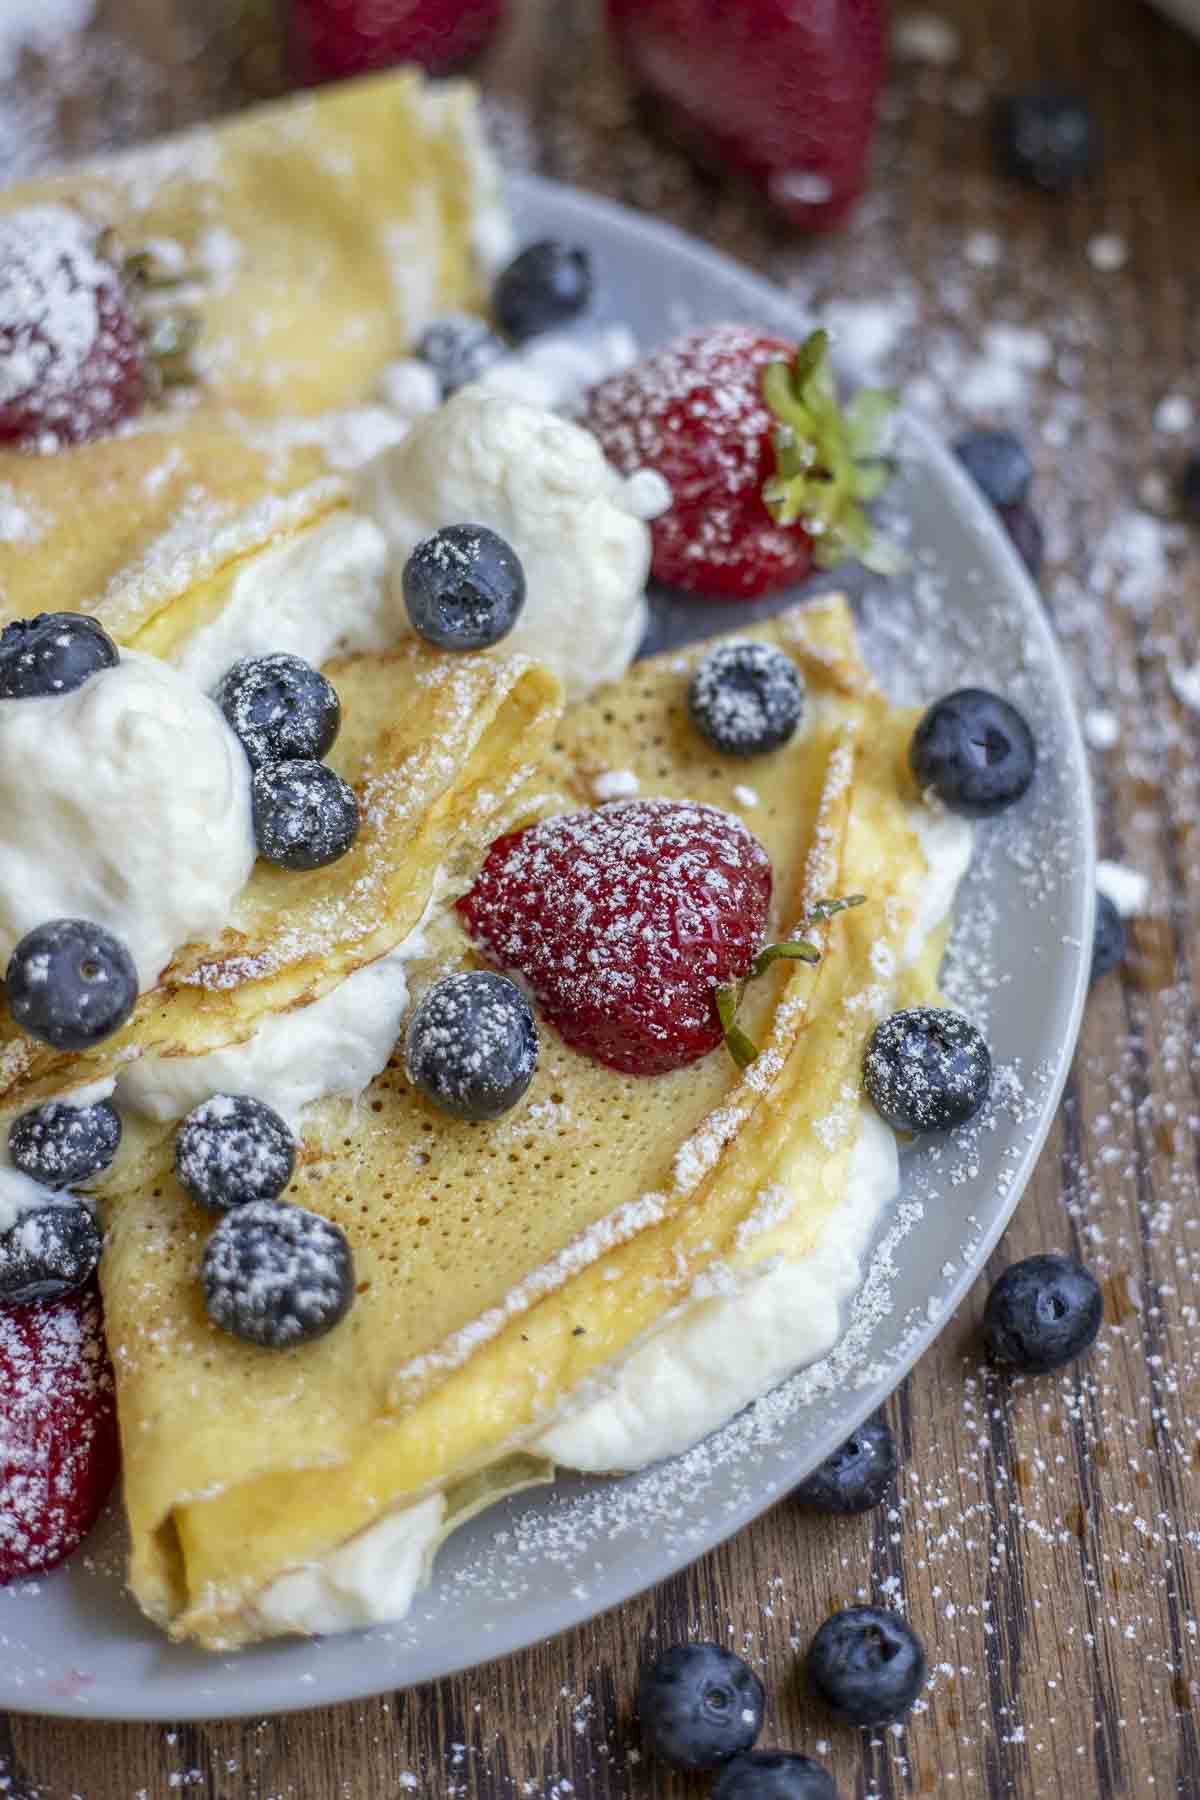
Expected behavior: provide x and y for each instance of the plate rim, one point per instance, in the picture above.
(524, 190)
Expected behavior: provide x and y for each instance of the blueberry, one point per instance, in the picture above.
(49, 1252)
(1046, 137)
(233, 1149)
(868, 1664)
(464, 588)
(975, 751)
(304, 815)
(276, 1275)
(927, 1069)
(60, 1145)
(1189, 486)
(998, 463)
(472, 1045)
(52, 654)
(71, 983)
(1110, 939)
(699, 1705)
(858, 1474)
(1042, 1313)
(459, 349)
(746, 698)
(773, 1775)
(548, 284)
(1028, 539)
(280, 707)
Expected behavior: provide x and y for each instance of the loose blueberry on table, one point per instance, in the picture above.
(1042, 1314)
(305, 815)
(867, 1664)
(276, 1275)
(927, 1068)
(1110, 940)
(54, 653)
(857, 1476)
(60, 1145)
(280, 707)
(464, 588)
(472, 1045)
(71, 984)
(974, 752)
(232, 1149)
(1046, 137)
(1024, 528)
(699, 1705)
(999, 465)
(773, 1775)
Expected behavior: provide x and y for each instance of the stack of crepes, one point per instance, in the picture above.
(503, 1269)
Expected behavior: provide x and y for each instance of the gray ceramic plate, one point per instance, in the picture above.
(75, 1644)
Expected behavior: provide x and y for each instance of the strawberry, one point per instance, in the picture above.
(782, 91)
(58, 1432)
(768, 475)
(625, 921)
(329, 39)
(71, 359)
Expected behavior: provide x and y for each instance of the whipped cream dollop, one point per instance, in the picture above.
(126, 802)
(316, 595)
(578, 527)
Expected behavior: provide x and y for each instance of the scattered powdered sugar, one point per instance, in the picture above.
(1128, 889)
(19, 523)
(39, 26)
(615, 784)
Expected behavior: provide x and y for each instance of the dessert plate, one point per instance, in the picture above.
(964, 611)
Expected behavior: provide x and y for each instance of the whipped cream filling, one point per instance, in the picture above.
(126, 802)
(368, 1580)
(316, 595)
(578, 527)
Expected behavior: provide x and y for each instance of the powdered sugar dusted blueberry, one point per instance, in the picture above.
(71, 983)
(746, 698)
(472, 1045)
(927, 1069)
(464, 588)
(276, 1275)
(60, 1145)
(53, 653)
(305, 815)
(280, 707)
(233, 1149)
(49, 1252)
(459, 349)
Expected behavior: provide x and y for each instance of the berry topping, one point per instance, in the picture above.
(548, 284)
(1047, 138)
(625, 922)
(746, 698)
(280, 707)
(71, 983)
(1189, 486)
(459, 349)
(867, 1664)
(71, 364)
(276, 1275)
(998, 463)
(927, 1069)
(464, 588)
(1110, 939)
(773, 1775)
(60, 1145)
(1029, 540)
(975, 752)
(1042, 1313)
(53, 653)
(699, 1705)
(767, 474)
(233, 1149)
(858, 1474)
(304, 815)
(329, 39)
(58, 1431)
(49, 1252)
(472, 1045)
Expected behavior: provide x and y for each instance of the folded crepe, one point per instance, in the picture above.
(504, 1267)
(317, 237)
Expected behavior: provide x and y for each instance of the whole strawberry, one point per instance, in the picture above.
(625, 922)
(329, 39)
(768, 474)
(58, 1431)
(71, 359)
(782, 91)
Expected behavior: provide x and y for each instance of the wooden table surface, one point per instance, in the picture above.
(1045, 1536)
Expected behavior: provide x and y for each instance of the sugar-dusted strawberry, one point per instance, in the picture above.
(58, 1431)
(625, 921)
(768, 474)
(329, 39)
(783, 91)
(72, 365)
